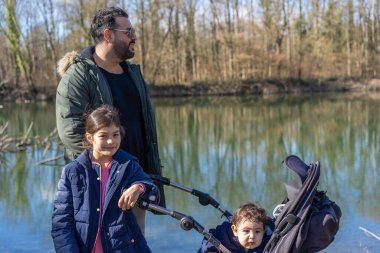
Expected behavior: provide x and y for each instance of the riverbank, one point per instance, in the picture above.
(244, 87)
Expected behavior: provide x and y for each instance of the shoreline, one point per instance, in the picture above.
(237, 88)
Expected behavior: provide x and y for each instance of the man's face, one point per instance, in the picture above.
(124, 39)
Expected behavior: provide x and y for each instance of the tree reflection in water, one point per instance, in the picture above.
(231, 148)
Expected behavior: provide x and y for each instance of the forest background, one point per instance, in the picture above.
(185, 46)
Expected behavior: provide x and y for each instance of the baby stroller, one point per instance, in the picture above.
(306, 221)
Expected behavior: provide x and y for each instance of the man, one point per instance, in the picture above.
(100, 75)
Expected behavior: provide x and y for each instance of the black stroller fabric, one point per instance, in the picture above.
(308, 220)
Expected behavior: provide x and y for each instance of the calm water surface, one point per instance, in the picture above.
(229, 147)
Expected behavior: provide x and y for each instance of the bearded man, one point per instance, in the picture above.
(100, 75)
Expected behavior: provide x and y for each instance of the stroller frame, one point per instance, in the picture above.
(187, 222)
(290, 217)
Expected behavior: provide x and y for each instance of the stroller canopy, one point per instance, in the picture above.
(307, 220)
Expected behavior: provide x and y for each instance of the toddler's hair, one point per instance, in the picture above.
(103, 116)
(250, 211)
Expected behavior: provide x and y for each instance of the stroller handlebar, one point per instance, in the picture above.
(186, 222)
(204, 198)
(166, 181)
(162, 180)
(210, 238)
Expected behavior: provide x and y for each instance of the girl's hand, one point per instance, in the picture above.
(129, 197)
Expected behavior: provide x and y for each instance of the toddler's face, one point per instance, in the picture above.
(250, 234)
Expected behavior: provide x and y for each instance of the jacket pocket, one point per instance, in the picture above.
(119, 238)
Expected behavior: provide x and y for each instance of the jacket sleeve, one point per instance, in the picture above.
(72, 99)
(139, 177)
(63, 217)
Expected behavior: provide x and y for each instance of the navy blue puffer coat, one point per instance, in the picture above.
(76, 206)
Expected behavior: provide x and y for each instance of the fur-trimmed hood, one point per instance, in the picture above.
(71, 57)
(66, 61)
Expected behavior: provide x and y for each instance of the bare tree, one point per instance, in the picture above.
(46, 8)
(182, 41)
(363, 23)
(215, 42)
(158, 12)
(349, 35)
(15, 40)
(190, 39)
(141, 16)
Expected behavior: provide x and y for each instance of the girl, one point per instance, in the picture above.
(92, 205)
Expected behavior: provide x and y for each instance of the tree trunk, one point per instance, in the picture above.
(190, 39)
(143, 36)
(350, 23)
(215, 44)
(50, 28)
(13, 34)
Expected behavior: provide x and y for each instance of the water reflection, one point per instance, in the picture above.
(26, 187)
(233, 147)
(229, 147)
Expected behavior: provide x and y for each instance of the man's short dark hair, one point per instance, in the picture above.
(105, 18)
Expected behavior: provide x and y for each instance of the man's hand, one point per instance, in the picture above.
(129, 197)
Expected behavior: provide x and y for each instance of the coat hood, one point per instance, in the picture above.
(69, 58)
(65, 62)
(86, 54)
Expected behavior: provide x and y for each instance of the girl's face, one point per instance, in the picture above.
(249, 233)
(105, 142)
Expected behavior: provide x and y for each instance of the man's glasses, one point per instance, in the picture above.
(130, 32)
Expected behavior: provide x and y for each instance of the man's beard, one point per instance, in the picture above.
(122, 51)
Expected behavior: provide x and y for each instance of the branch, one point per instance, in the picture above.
(51, 159)
(370, 233)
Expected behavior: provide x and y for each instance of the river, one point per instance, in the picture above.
(229, 147)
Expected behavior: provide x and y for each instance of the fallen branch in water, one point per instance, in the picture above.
(370, 233)
(16, 144)
(50, 159)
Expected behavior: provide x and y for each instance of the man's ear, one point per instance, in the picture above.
(107, 34)
(234, 230)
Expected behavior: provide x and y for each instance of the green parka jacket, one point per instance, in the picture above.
(84, 87)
